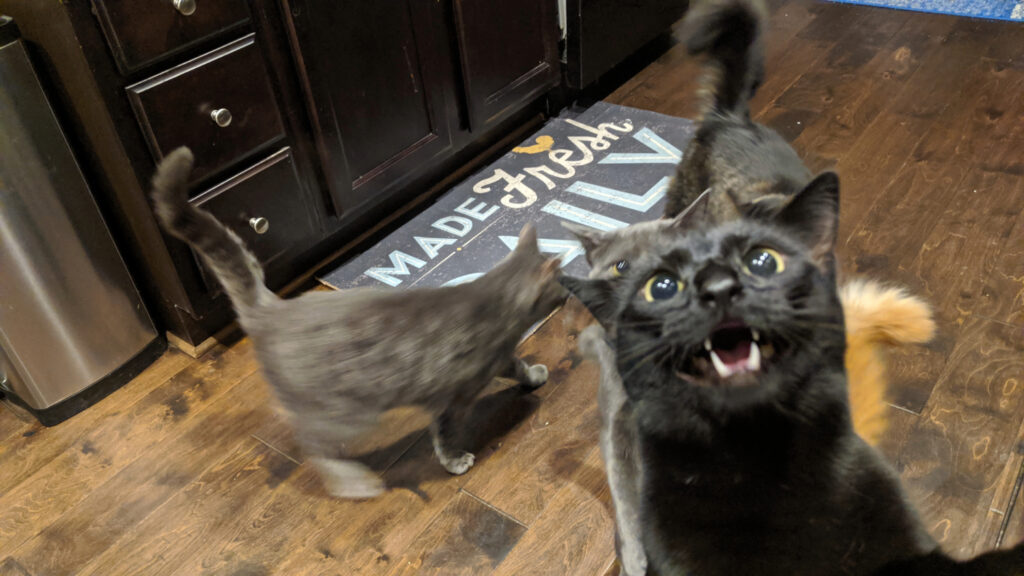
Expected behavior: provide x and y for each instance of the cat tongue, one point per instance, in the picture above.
(745, 356)
(735, 356)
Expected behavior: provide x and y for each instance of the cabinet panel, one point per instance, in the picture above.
(378, 99)
(268, 209)
(143, 32)
(509, 54)
(220, 105)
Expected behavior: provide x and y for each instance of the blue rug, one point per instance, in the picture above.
(605, 167)
(1012, 10)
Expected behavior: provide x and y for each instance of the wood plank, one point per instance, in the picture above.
(853, 98)
(116, 440)
(1000, 296)
(16, 424)
(368, 537)
(532, 463)
(877, 157)
(467, 537)
(967, 432)
(1014, 534)
(940, 78)
(575, 534)
(801, 55)
(857, 52)
(1004, 523)
(886, 245)
(20, 457)
(980, 120)
(10, 567)
(116, 535)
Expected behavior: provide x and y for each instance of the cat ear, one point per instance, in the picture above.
(696, 212)
(766, 207)
(590, 238)
(595, 294)
(528, 239)
(813, 215)
(551, 267)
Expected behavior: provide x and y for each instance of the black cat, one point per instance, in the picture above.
(730, 341)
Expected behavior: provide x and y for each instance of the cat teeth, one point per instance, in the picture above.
(756, 335)
(754, 360)
(720, 366)
(707, 344)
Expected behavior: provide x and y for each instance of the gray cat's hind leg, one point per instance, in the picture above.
(528, 376)
(618, 448)
(323, 440)
(348, 479)
(622, 483)
(444, 433)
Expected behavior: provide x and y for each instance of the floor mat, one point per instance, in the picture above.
(605, 167)
(1012, 10)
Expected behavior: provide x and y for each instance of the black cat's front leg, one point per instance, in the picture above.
(444, 430)
(530, 377)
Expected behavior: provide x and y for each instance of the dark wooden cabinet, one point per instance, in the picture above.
(601, 33)
(442, 73)
(508, 52)
(220, 105)
(144, 33)
(382, 100)
(256, 204)
(310, 120)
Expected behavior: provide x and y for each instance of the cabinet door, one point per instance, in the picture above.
(509, 53)
(378, 95)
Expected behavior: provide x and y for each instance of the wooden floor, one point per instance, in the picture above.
(188, 471)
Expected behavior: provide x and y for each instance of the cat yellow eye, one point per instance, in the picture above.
(763, 262)
(662, 286)
(619, 268)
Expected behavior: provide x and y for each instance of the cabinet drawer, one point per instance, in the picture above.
(143, 32)
(269, 194)
(220, 105)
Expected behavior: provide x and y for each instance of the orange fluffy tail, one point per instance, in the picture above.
(877, 316)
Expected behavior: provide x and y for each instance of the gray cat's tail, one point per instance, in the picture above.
(729, 33)
(223, 251)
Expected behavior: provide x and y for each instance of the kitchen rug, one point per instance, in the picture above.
(1012, 10)
(604, 167)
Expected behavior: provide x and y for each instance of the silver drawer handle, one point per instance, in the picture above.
(221, 116)
(186, 7)
(259, 224)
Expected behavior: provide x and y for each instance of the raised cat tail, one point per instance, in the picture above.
(877, 316)
(729, 33)
(223, 251)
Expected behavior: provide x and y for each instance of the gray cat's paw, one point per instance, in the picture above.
(349, 480)
(459, 464)
(536, 376)
(362, 489)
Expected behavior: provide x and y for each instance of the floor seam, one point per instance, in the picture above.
(1010, 507)
(493, 507)
(275, 449)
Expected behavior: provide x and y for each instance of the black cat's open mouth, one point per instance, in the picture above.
(733, 355)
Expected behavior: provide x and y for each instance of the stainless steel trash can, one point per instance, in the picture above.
(72, 325)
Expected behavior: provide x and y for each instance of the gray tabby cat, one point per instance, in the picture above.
(337, 360)
(731, 153)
